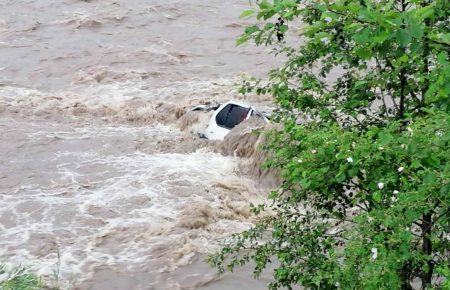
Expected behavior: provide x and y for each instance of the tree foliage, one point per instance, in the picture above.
(363, 99)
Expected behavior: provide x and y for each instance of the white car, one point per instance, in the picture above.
(227, 116)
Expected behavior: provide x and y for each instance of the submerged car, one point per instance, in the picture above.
(227, 116)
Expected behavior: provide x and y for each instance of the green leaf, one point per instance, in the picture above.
(289, 3)
(363, 53)
(360, 84)
(340, 177)
(385, 138)
(442, 58)
(305, 183)
(444, 37)
(415, 29)
(264, 5)
(247, 13)
(377, 196)
(381, 36)
(425, 12)
(241, 40)
(273, 194)
(403, 37)
(415, 164)
(404, 58)
(251, 29)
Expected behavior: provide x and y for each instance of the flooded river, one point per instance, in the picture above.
(100, 182)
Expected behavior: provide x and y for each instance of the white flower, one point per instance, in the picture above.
(299, 161)
(380, 185)
(409, 129)
(381, 148)
(447, 236)
(325, 40)
(314, 151)
(374, 253)
(337, 284)
(400, 169)
(328, 19)
(393, 199)
(395, 192)
(403, 146)
(349, 159)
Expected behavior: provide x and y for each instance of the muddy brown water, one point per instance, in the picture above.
(93, 165)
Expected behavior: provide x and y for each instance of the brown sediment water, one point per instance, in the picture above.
(246, 140)
(99, 159)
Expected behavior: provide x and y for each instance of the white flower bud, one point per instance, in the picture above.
(325, 40)
(374, 253)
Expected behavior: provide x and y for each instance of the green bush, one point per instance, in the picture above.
(363, 99)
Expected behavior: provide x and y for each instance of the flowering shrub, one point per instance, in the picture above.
(363, 97)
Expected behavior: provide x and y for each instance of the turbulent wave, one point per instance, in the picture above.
(124, 101)
(247, 140)
(101, 202)
(101, 162)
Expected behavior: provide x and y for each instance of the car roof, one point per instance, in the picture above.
(232, 102)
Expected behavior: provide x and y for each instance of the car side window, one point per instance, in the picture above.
(231, 115)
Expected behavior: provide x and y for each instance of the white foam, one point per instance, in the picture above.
(122, 210)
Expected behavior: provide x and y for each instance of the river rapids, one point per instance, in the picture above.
(103, 181)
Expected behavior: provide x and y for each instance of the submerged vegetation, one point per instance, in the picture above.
(18, 278)
(21, 278)
(363, 99)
